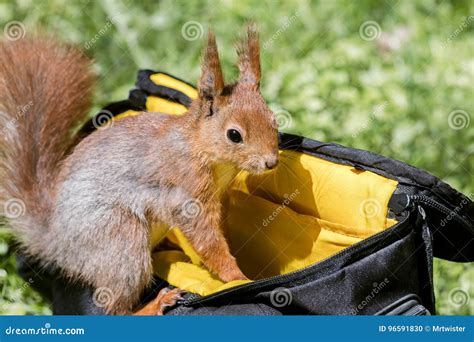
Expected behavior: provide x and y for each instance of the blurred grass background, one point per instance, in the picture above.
(377, 75)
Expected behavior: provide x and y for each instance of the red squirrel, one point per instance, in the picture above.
(91, 205)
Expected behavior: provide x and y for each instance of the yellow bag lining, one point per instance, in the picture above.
(166, 106)
(161, 105)
(301, 213)
(173, 83)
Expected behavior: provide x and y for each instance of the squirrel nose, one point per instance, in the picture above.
(271, 163)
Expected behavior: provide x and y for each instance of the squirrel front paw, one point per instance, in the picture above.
(166, 297)
(235, 274)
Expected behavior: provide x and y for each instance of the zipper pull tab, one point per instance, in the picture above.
(422, 212)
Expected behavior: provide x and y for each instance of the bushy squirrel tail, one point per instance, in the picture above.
(45, 92)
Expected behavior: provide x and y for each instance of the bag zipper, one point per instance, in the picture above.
(422, 199)
(195, 298)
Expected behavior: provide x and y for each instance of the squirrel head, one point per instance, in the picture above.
(234, 123)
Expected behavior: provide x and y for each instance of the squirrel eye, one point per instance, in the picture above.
(234, 136)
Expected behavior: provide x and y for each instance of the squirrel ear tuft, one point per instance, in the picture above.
(211, 82)
(249, 58)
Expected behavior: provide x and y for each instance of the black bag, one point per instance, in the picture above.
(351, 264)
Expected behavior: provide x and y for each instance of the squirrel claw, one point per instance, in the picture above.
(166, 297)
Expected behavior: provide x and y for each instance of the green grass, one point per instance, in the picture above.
(335, 85)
